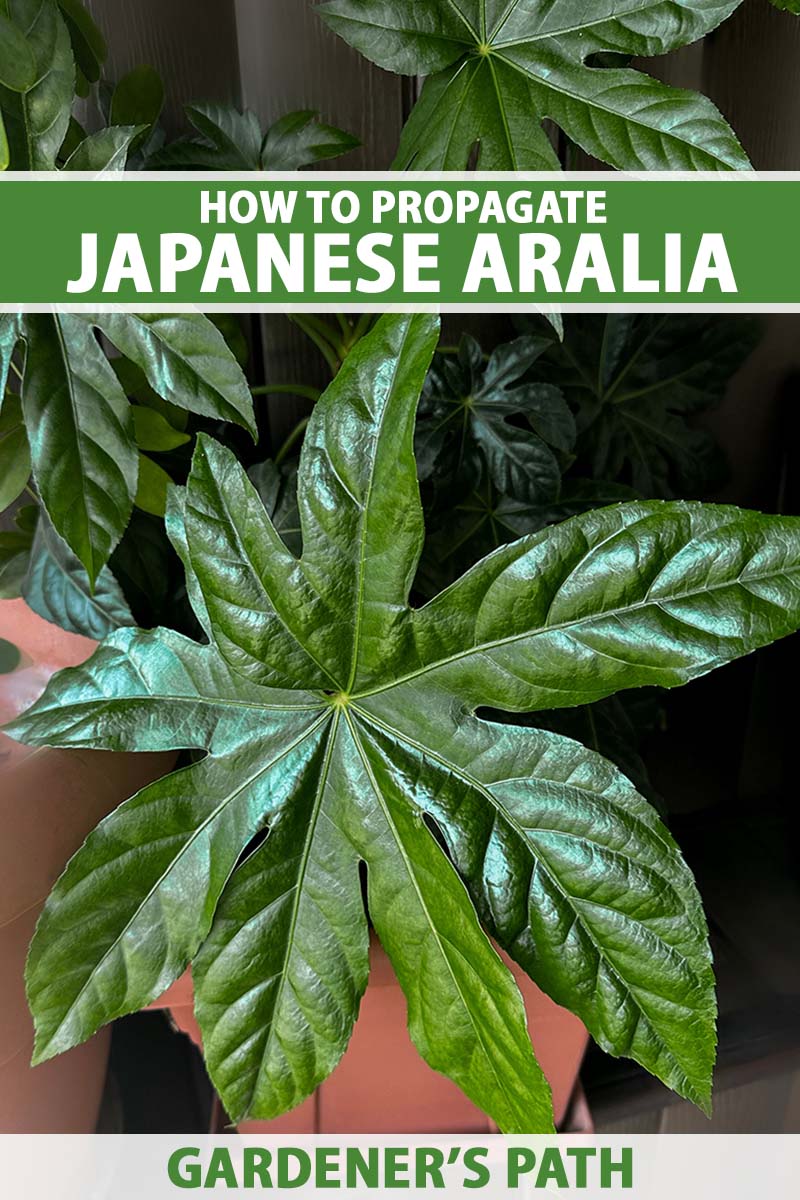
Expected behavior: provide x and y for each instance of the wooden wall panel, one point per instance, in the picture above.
(290, 60)
(766, 1105)
(752, 71)
(191, 42)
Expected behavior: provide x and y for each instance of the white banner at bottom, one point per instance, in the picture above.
(653, 1167)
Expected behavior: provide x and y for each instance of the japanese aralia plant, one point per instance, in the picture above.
(346, 770)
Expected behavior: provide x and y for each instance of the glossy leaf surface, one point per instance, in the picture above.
(15, 456)
(81, 436)
(497, 69)
(37, 119)
(341, 722)
(106, 150)
(79, 421)
(138, 98)
(185, 360)
(57, 587)
(17, 64)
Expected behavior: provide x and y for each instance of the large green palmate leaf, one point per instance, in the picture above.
(498, 67)
(342, 723)
(37, 116)
(481, 413)
(637, 384)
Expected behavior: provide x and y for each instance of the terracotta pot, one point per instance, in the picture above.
(383, 1086)
(49, 801)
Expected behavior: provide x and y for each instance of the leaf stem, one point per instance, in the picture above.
(324, 346)
(345, 326)
(291, 440)
(288, 389)
(363, 325)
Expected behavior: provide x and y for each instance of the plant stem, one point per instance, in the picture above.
(362, 326)
(323, 345)
(345, 326)
(288, 389)
(291, 440)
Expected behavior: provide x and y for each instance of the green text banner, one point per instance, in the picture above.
(373, 242)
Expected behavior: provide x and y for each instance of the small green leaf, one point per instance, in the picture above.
(138, 98)
(15, 457)
(37, 120)
(15, 552)
(185, 360)
(88, 43)
(57, 588)
(17, 64)
(233, 141)
(81, 436)
(299, 140)
(106, 150)
(277, 489)
(154, 482)
(10, 335)
(134, 384)
(153, 431)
